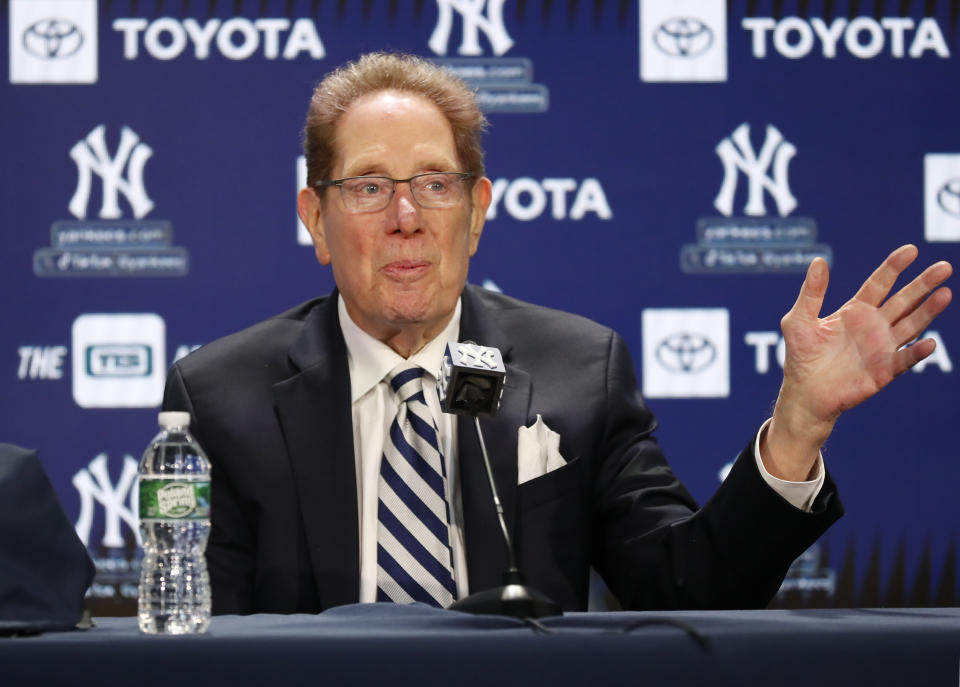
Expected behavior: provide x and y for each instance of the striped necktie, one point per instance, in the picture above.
(414, 558)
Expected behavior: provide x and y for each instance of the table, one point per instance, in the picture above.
(416, 645)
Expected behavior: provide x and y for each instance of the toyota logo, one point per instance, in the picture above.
(684, 352)
(948, 197)
(683, 37)
(52, 39)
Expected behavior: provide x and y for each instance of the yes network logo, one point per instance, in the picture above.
(118, 360)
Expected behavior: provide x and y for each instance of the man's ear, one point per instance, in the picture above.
(481, 195)
(308, 207)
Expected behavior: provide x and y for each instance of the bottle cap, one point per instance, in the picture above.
(174, 418)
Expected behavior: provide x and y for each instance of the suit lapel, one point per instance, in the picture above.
(314, 411)
(485, 550)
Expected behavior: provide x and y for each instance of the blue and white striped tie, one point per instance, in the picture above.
(414, 558)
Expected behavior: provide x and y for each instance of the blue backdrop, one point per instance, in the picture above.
(667, 168)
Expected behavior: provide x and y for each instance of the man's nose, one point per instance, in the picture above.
(405, 209)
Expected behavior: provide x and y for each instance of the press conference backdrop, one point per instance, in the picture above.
(665, 167)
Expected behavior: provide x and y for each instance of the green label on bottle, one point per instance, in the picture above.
(164, 498)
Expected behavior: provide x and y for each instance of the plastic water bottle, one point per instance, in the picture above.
(174, 523)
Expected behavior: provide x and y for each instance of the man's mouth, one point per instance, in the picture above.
(406, 269)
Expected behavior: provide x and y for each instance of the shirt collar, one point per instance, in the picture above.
(370, 360)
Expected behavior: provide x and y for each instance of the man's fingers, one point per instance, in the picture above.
(914, 324)
(878, 284)
(810, 299)
(906, 300)
(907, 357)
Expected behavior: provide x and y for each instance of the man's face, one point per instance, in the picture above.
(402, 267)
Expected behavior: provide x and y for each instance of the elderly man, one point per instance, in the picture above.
(336, 477)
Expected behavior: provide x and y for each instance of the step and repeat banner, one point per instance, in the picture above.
(665, 167)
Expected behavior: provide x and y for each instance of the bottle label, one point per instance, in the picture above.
(163, 498)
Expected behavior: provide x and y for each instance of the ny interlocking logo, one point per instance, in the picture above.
(474, 21)
(756, 242)
(478, 356)
(738, 155)
(120, 501)
(502, 84)
(92, 157)
(110, 245)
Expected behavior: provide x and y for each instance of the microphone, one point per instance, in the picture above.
(471, 379)
(470, 382)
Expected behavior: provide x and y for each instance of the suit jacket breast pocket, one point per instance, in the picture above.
(552, 527)
(563, 481)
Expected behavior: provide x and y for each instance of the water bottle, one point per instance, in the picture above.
(174, 493)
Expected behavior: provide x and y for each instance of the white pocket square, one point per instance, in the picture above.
(538, 451)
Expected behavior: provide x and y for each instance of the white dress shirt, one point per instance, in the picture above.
(374, 406)
(373, 409)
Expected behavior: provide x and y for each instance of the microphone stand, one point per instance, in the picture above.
(513, 598)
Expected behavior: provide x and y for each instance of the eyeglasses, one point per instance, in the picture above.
(372, 194)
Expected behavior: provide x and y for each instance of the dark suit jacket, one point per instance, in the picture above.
(271, 406)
